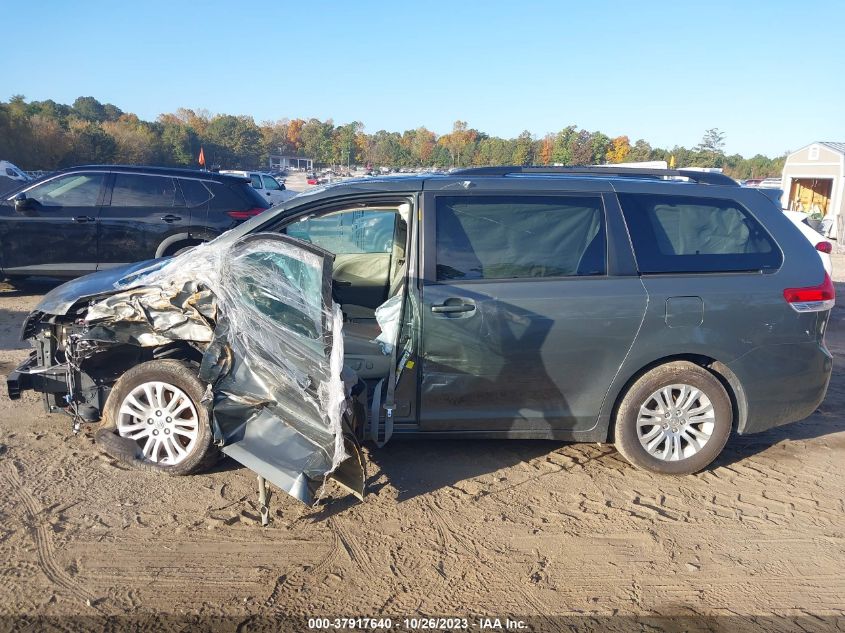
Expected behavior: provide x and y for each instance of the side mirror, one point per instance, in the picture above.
(22, 203)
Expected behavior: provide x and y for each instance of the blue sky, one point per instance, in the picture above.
(768, 74)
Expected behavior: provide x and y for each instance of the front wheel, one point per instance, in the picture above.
(675, 419)
(157, 405)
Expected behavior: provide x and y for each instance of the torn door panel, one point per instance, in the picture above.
(260, 312)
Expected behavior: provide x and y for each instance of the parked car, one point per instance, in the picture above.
(269, 187)
(775, 195)
(11, 176)
(808, 226)
(12, 171)
(90, 218)
(823, 246)
(312, 179)
(659, 310)
(770, 183)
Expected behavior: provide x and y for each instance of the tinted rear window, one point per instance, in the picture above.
(679, 234)
(507, 237)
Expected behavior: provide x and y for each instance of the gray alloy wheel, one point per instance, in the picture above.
(162, 419)
(675, 422)
(157, 406)
(674, 419)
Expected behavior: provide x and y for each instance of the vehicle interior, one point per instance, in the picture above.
(370, 244)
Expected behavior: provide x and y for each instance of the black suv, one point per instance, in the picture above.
(94, 217)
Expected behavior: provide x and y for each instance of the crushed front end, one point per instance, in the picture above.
(254, 318)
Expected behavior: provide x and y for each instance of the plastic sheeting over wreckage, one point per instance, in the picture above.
(260, 310)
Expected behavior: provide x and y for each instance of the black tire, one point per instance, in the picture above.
(184, 249)
(181, 247)
(680, 372)
(184, 377)
(17, 281)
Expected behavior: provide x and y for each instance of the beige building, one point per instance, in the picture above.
(813, 181)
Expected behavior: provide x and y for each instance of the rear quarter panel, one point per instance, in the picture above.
(776, 353)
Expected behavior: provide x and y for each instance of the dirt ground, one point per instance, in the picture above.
(450, 528)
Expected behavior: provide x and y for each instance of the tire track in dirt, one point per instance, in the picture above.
(356, 554)
(317, 573)
(431, 586)
(43, 543)
(474, 548)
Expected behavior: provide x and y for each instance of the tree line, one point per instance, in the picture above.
(48, 135)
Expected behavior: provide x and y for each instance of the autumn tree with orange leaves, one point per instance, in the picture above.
(49, 135)
(546, 149)
(619, 149)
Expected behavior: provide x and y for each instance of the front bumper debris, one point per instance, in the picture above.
(30, 376)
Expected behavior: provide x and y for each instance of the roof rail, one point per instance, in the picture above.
(701, 177)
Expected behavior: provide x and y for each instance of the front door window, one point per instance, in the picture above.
(271, 184)
(72, 190)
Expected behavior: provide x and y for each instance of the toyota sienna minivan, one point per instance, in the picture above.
(659, 310)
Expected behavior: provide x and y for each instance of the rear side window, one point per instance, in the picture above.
(683, 234)
(194, 192)
(507, 237)
(134, 190)
(239, 197)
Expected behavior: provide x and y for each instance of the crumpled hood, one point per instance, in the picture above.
(60, 299)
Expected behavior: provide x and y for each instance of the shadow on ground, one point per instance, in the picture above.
(29, 287)
(417, 467)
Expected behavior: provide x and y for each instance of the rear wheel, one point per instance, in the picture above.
(181, 247)
(17, 281)
(675, 419)
(157, 405)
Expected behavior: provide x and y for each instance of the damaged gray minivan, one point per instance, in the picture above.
(661, 310)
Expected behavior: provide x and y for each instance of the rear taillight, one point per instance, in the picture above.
(824, 247)
(245, 215)
(812, 299)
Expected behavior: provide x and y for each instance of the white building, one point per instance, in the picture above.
(813, 181)
(290, 162)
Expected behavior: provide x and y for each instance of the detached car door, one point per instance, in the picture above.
(55, 231)
(523, 327)
(281, 407)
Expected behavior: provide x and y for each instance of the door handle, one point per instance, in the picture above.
(448, 309)
(171, 218)
(83, 218)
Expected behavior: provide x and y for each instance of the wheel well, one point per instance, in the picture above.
(721, 371)
(176, 246)
(177, 350)
(110, 365)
